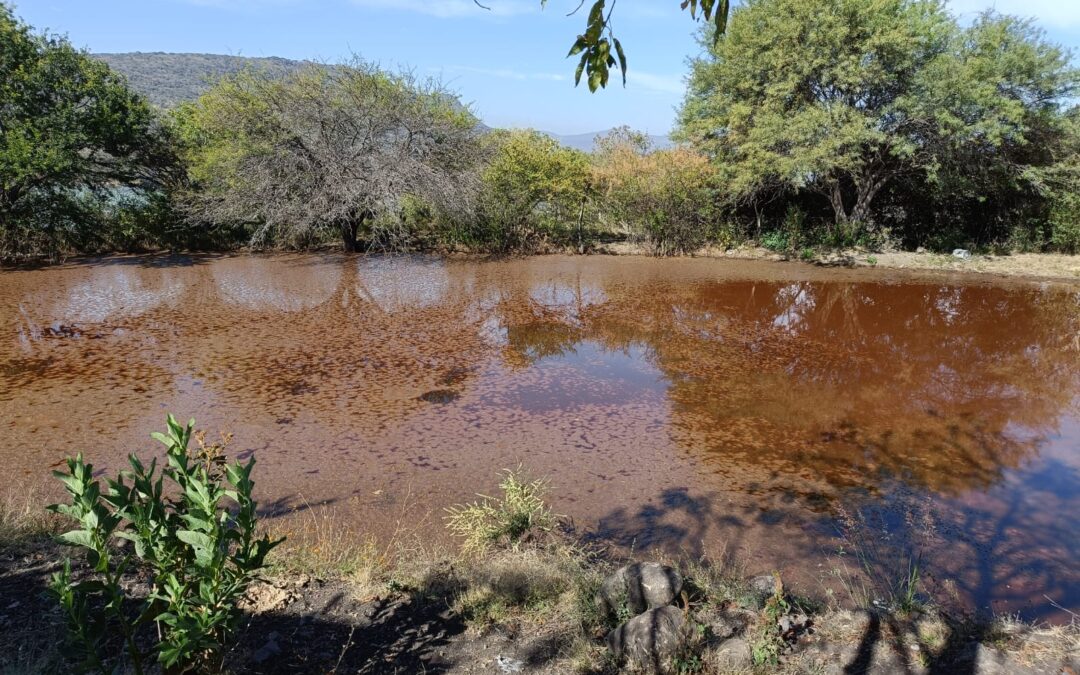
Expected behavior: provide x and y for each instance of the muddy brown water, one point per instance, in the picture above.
(784, 416)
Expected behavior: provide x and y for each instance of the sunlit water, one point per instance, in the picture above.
(783, 416)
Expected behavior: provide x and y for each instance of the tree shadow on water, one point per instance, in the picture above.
(679, 521)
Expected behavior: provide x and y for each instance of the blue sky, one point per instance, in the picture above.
(507, 62)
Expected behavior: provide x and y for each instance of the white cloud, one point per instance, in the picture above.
(454, 8)
(667, 84)
(503, 73)
(1050, 13)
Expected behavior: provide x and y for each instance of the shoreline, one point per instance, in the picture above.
(539, 603)
(1023, 266)
(532, 609)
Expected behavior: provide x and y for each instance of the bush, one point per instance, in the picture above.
(200, 556)
(519, 512)
(533, 191)
(665, 196)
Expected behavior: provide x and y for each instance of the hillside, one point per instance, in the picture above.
(170, 79)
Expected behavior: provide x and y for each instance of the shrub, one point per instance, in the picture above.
(520, 511)
(533, 190)
(200, 555)
(666, 196)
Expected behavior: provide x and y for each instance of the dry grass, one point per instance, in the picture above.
(324, 543)
(1035, 645)
(23, 520)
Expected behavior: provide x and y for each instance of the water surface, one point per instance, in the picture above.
(782, 415)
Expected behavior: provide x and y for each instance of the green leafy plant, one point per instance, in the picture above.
(769, 644)
(520, 511)
(871, 260)
(191, 527)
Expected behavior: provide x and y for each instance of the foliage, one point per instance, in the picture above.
(599, 47)
(200, 555)
(72, 134)
(766, 648)
(324, 150)
(667, 196)
(849, 99)
(520, 511)
(532, 189)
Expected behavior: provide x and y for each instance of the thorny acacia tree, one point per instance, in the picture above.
(325, 149)
(843, 97)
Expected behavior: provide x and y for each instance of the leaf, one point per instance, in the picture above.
(78, 538)
(622, 58)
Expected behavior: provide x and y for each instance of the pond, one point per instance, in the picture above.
(783, 416)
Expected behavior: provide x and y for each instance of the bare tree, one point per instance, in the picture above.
(327, 148)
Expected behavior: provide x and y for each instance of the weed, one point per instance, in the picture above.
(201, 555)
(871, 260)
(520, 511)
(766, 648)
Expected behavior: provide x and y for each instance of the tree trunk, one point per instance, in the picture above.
(349, 230)
(868, 188)
(836, 198)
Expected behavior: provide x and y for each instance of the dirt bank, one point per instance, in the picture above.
(1030, 265)
(532, 610)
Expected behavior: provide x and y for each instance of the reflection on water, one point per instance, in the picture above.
(682, 404)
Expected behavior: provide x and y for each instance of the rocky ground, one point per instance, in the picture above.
(540, 610)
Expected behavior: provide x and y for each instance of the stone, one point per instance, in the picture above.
(733, 655)
(920, 250)
(962, 253)
(267, 651)
(509, 665)
(637, 587)
(650, 642)
(764, 585)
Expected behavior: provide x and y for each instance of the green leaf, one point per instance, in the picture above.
(78, 538)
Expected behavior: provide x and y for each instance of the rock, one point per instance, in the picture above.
(732, 655)
(267, 651)
(650, 642)
(638, 587)
(920, 250)
(962, 253)
(509, 665)
(763, 585)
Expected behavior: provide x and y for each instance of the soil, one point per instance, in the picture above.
(1024, 265)
(299, 624)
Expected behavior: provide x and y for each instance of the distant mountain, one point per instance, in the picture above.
(585, 141)
(167, 80)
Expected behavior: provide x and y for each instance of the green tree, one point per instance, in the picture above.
(531, 188)
(324, 150)
(842, 97)
(71, 135)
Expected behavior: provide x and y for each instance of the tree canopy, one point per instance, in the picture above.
(70, 131)
(843, 97)
(324, 149)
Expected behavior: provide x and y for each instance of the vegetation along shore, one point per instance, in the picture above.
(139, 192)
